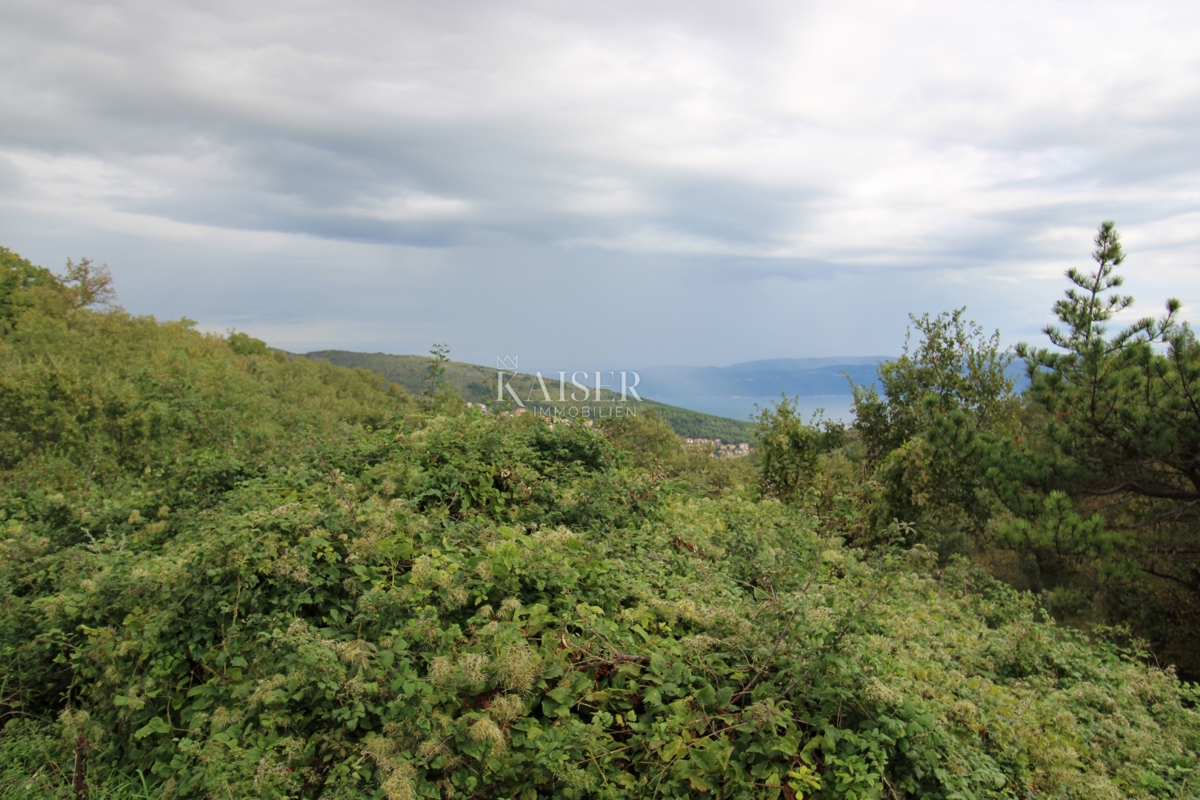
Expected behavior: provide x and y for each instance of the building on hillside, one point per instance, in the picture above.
(719, 449)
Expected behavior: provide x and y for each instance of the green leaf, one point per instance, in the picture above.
(155, 725)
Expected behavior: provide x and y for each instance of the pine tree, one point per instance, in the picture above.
(1110, 485)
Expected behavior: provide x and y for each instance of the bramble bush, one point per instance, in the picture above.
(231, 590)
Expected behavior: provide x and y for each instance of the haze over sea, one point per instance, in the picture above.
(741, 390)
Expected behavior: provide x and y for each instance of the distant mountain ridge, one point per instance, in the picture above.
(705, 402)
(767, 378)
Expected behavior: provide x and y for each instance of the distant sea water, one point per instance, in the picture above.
(837, 407)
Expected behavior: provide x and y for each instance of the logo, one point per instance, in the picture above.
(608, 387)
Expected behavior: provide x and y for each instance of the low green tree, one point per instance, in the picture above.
(919, 437)
(788, 451)
(91, 285)
(954, 367)
(435, 373)
(24, 285)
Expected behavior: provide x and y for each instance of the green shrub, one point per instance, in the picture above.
(229, 575)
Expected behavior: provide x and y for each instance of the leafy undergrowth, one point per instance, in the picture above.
(209, 591)
(475, 606)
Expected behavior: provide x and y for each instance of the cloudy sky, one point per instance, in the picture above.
(610, 185)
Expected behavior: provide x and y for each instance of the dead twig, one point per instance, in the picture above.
(761, 672)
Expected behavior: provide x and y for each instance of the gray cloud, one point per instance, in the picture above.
(685, 169)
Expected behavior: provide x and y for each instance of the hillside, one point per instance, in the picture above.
(230, 574)
(477, 384)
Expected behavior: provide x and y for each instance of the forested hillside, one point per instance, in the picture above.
(230, 574)
(478, 385)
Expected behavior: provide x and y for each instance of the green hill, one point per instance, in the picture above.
(230, 574)
(477, 384)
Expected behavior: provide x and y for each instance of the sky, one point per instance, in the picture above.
(602, 185)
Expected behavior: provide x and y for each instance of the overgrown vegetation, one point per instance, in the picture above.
(231, 574)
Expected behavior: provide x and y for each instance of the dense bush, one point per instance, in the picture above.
(226, 574)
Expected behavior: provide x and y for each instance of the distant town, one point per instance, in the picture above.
(719, 449)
